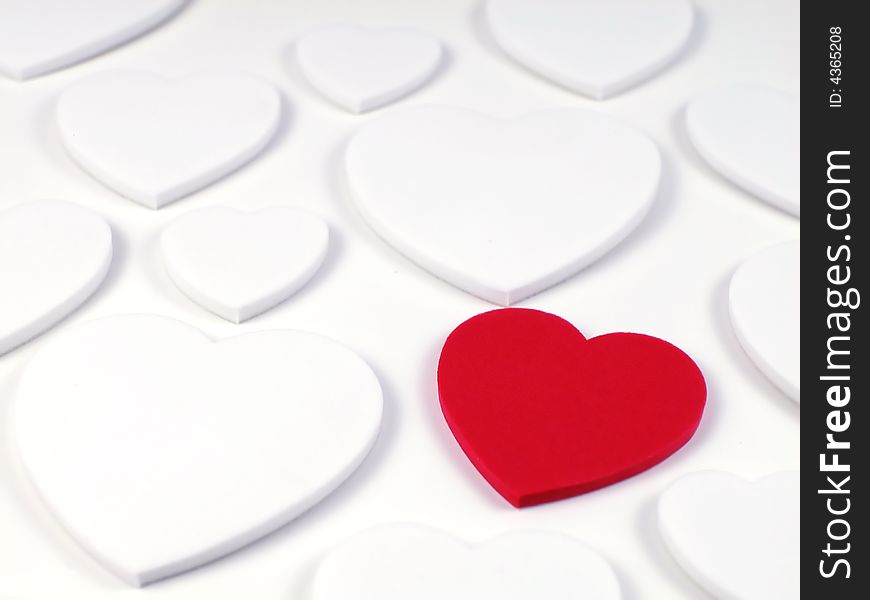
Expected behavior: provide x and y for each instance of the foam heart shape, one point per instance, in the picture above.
(53, 256)
(40, 36)
(360, 69)
(544, 413)
(160, 450)
(501, 209)
(398, 562)
(765, 305)
(706, 518)
(751, 135)
(155, 141)
(239, 264)
(570, 41)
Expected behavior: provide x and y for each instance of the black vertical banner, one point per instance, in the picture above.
(835, 367)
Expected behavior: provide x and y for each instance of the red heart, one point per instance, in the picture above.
(545, 414)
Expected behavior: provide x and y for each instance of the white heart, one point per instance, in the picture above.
(400, 562)
(765, 305)
(751, 135)
(53, 256)
(739, 540)
(239, 264)
(501, 209)
(595, 47)
(360, 69)
(155, 141)
(40, 36)
(159, 450)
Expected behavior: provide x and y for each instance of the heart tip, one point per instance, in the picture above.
(503, 299)
(521, 501)
(134, 580)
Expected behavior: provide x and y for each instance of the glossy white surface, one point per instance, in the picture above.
(765, 307)
(361, 69)
(751, 135)
(159, 450)
(398, 562)
(53, 256)
(740, 540)
(40, 36)
(502, 208)
(238, 264)
(594, 47)
(155, 141)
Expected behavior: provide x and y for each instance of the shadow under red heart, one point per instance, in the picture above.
(545, 414)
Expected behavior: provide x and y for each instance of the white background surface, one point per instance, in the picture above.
(668, 279)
